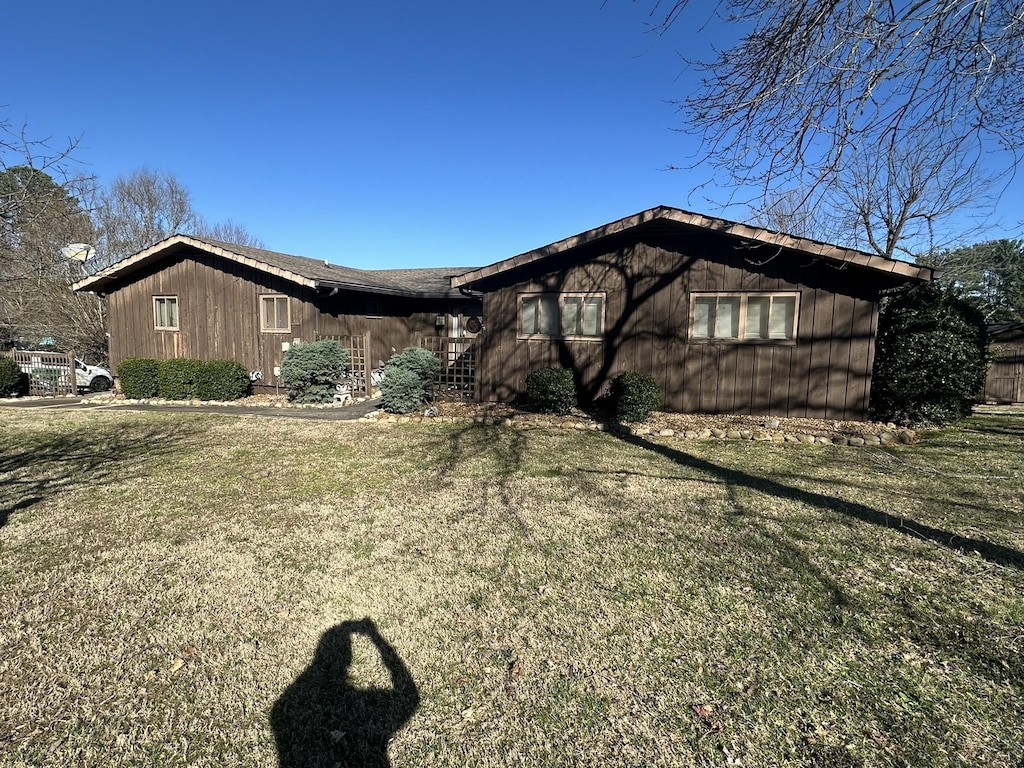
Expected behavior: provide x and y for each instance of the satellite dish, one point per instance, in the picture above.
(78, 251)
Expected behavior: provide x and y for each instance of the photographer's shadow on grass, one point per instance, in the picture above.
(323, 720)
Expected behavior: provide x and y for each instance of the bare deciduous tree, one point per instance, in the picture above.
(820, 96)
(145, 206)
(228, 232)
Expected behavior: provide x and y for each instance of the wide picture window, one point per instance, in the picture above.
(753, 317)
(570, 316)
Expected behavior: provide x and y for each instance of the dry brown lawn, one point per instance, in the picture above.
(204, 591)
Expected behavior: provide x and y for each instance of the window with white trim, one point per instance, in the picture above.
(275, 314)
(561, 315)
(750, 317)
(165, 313)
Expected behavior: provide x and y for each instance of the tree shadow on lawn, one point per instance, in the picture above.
(994, 553)
(323, 720)
(98, 454)
(500, 449)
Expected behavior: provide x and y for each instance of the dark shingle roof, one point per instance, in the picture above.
(433, 282)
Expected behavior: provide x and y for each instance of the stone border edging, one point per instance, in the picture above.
(764, 435)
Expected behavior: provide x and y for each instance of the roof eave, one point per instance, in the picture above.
(743, 232)
(108, 275)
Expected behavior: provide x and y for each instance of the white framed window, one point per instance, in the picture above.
(744, 317)
(561, 315)
(165, 313)
(275, 314)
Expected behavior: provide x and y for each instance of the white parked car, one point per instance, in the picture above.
(93, 377)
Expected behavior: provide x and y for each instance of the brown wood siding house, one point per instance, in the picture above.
(1005, 381)
(727, 318)
(199, 298)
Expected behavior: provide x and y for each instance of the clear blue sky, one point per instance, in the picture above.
(375, 135)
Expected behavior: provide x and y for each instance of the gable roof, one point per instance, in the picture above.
(680, 219)
(310, 273)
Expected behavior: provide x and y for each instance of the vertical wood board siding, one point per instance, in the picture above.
(647, 282)
(219, 315)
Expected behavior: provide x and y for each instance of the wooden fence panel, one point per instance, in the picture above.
(458, 356)
(50, 374)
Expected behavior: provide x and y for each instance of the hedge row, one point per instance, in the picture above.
(183, 379)
(633, 395)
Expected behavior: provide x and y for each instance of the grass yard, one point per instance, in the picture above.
(208, 591)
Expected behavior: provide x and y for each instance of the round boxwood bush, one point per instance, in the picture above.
(420, 361)
(401, 390)
(179, 378)
(310, 372)
(551, 390)
(930, 357)
(13, 381)
(223, 380)
(139, 377)
(635, 395)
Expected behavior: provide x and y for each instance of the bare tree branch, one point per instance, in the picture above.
(815, 94)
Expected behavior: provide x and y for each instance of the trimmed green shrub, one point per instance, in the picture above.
(930, 357)
(139, 377)
(310, 372)
(635, 394)
(420, 361)
(223, 380)
(13, 381)
(551, 390)
(179, 378)
(401, 390)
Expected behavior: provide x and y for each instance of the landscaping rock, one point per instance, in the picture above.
(855, 440)
(887, 437)
(746, 434)
(872, 440)
(691, 435)
(807, 439)
(762, 436)
(666, 432)
(704, 434)
(907, 436)
(719, 433)
(733, 434)
(772, 424)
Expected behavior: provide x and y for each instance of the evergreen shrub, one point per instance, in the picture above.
(310, 372)
(930, 357)
(401, 390)
(223, 380)
(139, 377)
(635, 395)
(420, 361)
(179, 378)
(551, 390)
(13, 381)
